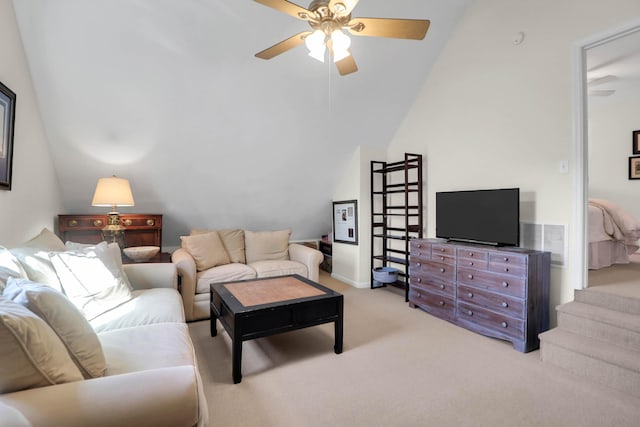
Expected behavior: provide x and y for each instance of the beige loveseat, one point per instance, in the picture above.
(133, 364)
(214, 256)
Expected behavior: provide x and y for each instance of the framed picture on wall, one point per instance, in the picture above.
(636, 142)
(345, 222)
(634, 167)
(7, 122)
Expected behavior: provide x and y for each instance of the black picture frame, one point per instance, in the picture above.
(345, 222)
(636, 142)
(7, 124)
(634, 167)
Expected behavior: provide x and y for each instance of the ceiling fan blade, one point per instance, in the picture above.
(347, 65)
(414, 29)
(288, 8)
(342, 7)
(283, 46)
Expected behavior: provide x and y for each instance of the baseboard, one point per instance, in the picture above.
(361, 285)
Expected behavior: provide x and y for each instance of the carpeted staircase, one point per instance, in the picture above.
(598, 337)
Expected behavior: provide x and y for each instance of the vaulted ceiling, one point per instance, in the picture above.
(169, 95)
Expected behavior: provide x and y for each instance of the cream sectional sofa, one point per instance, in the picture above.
(213, 256)
(140, 371)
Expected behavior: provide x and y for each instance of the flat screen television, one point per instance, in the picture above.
(483, 216)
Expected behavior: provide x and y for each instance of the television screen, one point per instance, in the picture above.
(484, 216)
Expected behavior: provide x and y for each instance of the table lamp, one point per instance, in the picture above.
(113, 192)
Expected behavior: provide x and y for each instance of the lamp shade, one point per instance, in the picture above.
(113, 192)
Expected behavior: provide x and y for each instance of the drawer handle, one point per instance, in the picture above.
(442, 270)
(418, 246)
(504, 324)
(506, 270)
(97, 223)
(470, 313)
(470, 262)
(419, 279)
(505, 305)
(505, 285)
(418, 265)
(470, 295)
(470, 276)
(441, 303)
(441, 258)
(418, 296)
(506, 259)
(151, 222)
(441, 286)
(470, 253)
(127, 222)
(72, 223)
(441, 249)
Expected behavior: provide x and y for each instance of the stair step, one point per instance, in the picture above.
(622, 329)
(599, 361)
(618, 298)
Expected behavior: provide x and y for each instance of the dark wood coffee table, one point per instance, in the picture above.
(256, 308)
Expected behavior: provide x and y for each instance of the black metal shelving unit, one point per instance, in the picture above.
(396, 215)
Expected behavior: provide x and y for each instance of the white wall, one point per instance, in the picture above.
(34, 200)
(496, 114)
(611, 123)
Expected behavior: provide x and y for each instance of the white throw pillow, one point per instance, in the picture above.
(65, 319)
(32, 355)
(266, 245)
(34, 257)
(92, 279)
(9, 267)
(206, 249)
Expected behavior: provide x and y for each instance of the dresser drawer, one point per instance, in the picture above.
(508, 264)
(420, 249)
(472, 254)
(427, 284)
(436, 304)
(490, 321)
(509, 285)
(500, 303)
(440, 249)
(434, 270)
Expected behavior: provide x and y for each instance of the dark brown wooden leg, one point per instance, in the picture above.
(236, 355)
(338, 327)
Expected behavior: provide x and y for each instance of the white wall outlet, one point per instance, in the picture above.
(564, 166)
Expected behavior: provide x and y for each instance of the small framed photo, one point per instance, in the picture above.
(634, 167)
(7, 122)
(345, 221)
(636, 142)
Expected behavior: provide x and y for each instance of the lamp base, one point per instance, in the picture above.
(114, 231)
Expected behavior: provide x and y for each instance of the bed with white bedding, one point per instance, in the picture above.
(613, 234)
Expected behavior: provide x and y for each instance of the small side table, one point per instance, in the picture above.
(160, 257)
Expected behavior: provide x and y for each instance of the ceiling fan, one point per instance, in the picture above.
(328, 19)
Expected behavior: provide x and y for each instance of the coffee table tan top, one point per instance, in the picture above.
(270, 290)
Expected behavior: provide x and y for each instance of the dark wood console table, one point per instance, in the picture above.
(141, 229)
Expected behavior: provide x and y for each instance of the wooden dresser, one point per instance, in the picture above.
(141, 229)
(498, 292)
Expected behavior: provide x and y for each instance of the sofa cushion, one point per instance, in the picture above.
(234, 244)
(65, 319)
(32, 355)
(206, 249)
(266, 245)
(148, 306)
(91, 279)
(145, 347)
(34, 257)
(279, 268)
(222, 273)
(9, 267)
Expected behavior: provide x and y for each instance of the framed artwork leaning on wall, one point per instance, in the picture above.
(7, 123)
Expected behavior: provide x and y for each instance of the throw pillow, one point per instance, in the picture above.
(65, 319)
(91, 279)
(31, 353)
(34, 257)
(9, 267)
(233, 241)
(206, 249)
(266, 245)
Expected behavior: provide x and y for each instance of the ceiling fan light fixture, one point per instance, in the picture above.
(315, 42)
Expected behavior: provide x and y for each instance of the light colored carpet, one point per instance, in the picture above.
(619, 279)
(400, 367)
